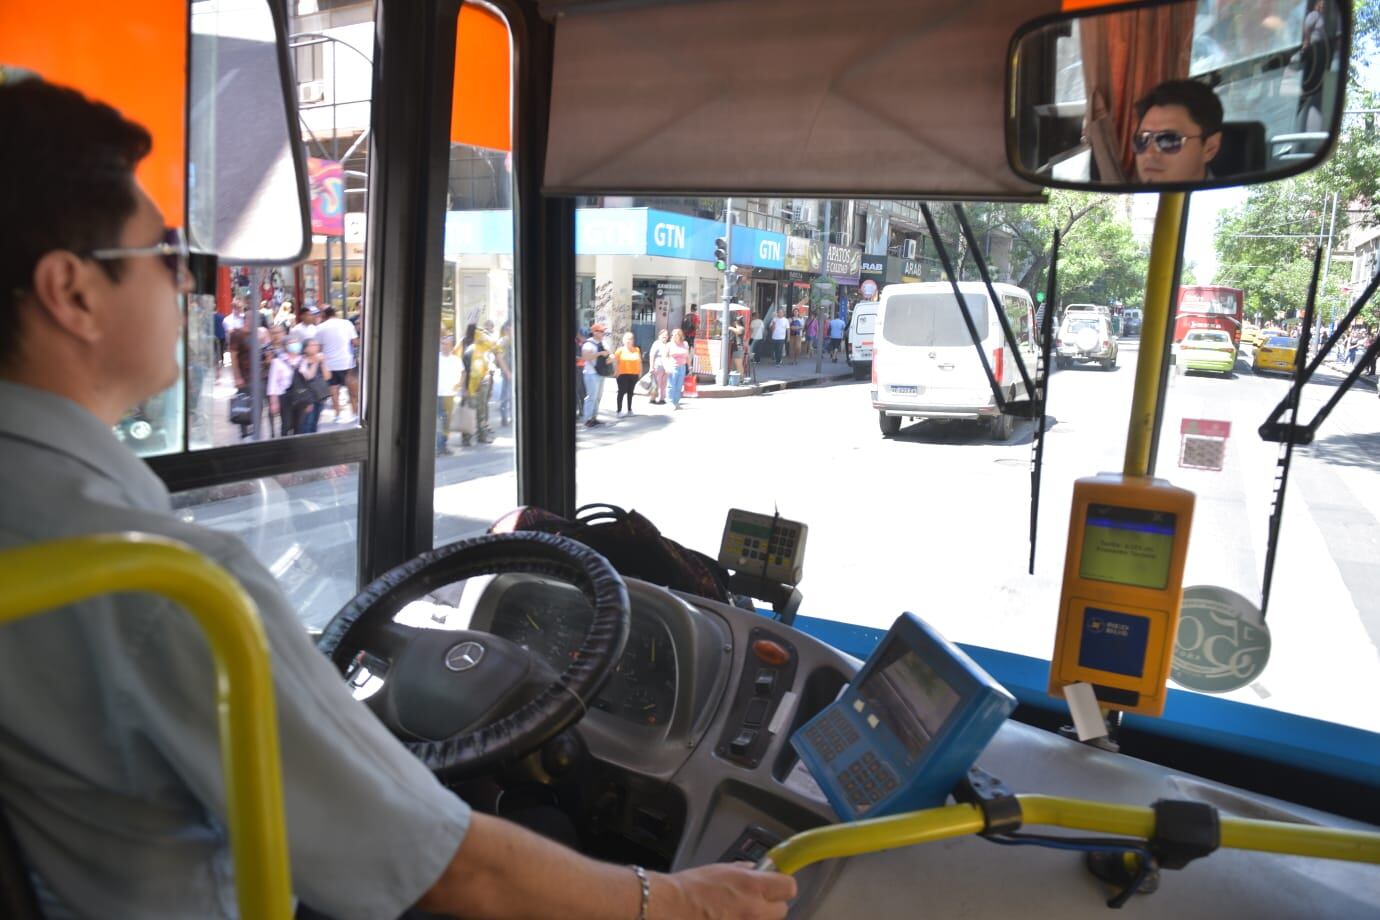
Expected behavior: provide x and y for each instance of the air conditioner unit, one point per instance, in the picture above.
(311, 92)
(910, 249)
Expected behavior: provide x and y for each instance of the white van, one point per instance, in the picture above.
(924, 364)
(861, 330)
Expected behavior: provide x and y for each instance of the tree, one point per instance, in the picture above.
(1266, 246)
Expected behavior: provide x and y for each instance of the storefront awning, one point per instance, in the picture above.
(790, 97)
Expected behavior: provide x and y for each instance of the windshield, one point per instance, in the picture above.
(934, 518)
(1281, 342)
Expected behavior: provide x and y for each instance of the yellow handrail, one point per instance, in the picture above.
(45, 576)
(1159, 282)
(873, 836)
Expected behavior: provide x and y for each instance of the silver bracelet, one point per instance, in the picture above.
(646, 884)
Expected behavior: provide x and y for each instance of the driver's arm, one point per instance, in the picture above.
(504, 871)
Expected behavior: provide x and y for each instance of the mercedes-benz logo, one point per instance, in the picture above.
(464, 656)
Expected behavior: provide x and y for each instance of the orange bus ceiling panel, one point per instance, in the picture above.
(130, 55)
(482, 99)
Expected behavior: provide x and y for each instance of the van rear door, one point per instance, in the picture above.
(860, 337)
(926, 346)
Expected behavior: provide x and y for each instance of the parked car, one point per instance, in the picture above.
(860, 331)
(1086, 335)
(924, 363)
(1277, 354)
(1207, 350)
(1130, 321)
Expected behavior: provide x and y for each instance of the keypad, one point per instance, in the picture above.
(866, 781)
(776, 551)
(831, 735)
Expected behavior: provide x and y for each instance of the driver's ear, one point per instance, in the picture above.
(1211, 145)
(64, 288)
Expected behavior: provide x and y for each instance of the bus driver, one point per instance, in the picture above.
(110, 775)
(1178, 133)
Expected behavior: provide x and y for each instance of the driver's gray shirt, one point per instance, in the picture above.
(109, 759)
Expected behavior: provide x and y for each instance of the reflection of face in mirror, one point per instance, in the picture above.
(1179, 132)
(1190, 94)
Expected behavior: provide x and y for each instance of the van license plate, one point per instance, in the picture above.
(907, 391)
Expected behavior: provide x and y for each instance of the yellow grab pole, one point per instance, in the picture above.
(45, 576)
(1164, 250)
(871, 836)
(877, 834)
(1237, 833)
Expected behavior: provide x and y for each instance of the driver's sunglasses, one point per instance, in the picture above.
(1165, 141)
(171, 249)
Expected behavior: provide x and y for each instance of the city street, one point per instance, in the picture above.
(936, 520)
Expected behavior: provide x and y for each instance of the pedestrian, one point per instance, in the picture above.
(738, 348)
(450, 371)
(812, 333)
(580, 338)
(690, 326)
(279, 379)
(592, 354)
(627, 362)
(835, 338)
(505, 371)
(305, 327)
(780, 327)
(680, 357)
(218, 330)
(310, 367)
(662, 367)
(338, 339)
(795, 329)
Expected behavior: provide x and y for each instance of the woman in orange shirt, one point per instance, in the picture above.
(627, 363)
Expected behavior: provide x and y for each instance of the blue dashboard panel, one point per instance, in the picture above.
(1271, 736)
(908, 727)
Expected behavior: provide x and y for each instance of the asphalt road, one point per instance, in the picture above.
(936, 520)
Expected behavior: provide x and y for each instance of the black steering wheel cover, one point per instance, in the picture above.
(497, 554)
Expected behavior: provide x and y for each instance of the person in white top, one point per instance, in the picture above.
(780, 326)
(338, 339)
(305, 327)
(450, 371)
(279, 379)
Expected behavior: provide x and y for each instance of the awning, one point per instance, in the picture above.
(785, 97)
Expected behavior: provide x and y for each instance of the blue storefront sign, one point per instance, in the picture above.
(758, 248)
(621, 231)
(680, 236)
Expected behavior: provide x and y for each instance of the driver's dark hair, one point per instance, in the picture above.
(1202, 103)
(66, 182)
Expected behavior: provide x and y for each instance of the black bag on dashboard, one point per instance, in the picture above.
(632, 544)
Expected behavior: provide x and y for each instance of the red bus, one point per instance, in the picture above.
(1205, 306)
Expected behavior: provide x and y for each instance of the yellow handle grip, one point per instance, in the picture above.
(45, 576)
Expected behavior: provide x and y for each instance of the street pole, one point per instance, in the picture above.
(819, 325)
(725, 353)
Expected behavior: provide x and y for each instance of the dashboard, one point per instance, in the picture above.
(551, 620)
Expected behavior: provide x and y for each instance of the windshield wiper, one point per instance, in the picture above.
(1037, 438)
(1020, 408)
(1032, 407)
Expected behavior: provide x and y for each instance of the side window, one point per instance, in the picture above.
(476, 466)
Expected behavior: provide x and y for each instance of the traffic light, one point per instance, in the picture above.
(720, 254)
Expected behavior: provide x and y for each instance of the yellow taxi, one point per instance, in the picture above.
(1276, 354)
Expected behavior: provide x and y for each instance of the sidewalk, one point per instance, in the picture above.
(1367, 381)
(771, 378)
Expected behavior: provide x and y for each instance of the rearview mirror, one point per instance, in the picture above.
(247, 198)
(1177, 96)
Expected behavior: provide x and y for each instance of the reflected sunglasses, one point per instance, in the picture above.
(171, 249)
(1165, 141)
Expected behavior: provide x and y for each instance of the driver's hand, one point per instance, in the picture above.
(731, 891)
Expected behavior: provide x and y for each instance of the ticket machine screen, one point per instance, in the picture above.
(909, 697)
(1127, 546)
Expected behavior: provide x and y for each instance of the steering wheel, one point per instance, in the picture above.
(465, 701)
